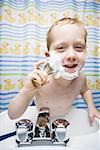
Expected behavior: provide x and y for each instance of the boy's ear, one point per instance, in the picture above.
(47, 54)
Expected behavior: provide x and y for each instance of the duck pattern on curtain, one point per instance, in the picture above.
(23, 28)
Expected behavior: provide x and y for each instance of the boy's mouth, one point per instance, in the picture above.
(70, 68)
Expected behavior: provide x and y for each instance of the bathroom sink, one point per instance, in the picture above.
(81, 135)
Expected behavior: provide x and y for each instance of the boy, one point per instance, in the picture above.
(66, 40)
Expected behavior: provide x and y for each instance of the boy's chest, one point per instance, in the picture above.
(56, 96)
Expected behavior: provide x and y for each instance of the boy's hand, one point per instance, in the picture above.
(36, 78)
(92, 113)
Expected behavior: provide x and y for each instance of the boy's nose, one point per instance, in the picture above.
(70, 56)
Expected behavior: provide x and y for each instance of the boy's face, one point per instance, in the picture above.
(68, 41)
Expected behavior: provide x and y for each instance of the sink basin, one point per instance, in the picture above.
(82, 136)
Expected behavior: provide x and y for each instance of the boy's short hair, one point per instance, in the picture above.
(64, 21)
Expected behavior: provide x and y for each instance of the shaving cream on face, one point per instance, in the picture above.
(55, 63)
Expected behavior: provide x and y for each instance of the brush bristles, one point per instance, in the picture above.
(48, 70)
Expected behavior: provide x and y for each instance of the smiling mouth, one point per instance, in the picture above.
(70, 66)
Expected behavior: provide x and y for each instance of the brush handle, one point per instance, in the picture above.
(35, 83)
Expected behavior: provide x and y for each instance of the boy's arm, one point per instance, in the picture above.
(19, 104)
(87, 97)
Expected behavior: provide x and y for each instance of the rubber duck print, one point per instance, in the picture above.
(26, 48)
(41, 19)
(20, 83)
(8, 85)
(8, 16)
(90, 84)
(22, 18)
(98, 84)
(96, 51)
(31, 15)
(53, 17)
(36, 49)
(4, 49)
(89, 20)
(17, 49)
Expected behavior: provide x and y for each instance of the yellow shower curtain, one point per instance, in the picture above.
(23, 28)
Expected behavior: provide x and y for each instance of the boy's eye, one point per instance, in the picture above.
(79, 48)
(60, 47)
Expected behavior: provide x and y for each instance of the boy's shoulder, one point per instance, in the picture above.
(81, 77)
